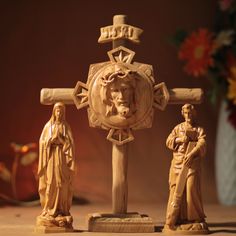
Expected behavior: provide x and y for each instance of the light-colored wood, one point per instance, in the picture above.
(176, 96)
(184, 95)
(19, 221)
(179, 189)
(119, 178)
(185, 213)
(51, 96)
(119, 32)
(120, 223)
(56, 170)
(52, 229)
(121, 96)
(187, 229)
(119, 20)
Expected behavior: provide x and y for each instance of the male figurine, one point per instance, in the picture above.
(56, 170)
(185, 210)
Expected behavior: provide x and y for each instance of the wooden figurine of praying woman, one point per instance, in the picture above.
(185, 213)
(56, 170)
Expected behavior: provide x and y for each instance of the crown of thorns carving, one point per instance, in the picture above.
(117, 71)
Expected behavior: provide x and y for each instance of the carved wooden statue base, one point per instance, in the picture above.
(59, 224)
(187, 229)
(120, 223)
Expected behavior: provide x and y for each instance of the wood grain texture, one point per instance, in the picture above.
(119, 178)
(120, 223)
(20, 221)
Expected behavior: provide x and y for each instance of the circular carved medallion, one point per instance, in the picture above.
(120, 95)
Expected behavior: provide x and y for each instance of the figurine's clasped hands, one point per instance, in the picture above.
(54, 139)
(55, 136)
(61, 139)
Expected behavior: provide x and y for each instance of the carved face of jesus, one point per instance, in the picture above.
(122, 96)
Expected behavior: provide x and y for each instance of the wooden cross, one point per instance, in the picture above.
(121, 96)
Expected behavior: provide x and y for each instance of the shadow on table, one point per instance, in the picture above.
(223, 227)
(226, 227)
(79, 231)
(158, 228)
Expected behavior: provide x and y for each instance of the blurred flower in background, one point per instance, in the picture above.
(197, 51)
(212, 54)
(25, 162)
(225, 4)
(5, 174)
(21, 177)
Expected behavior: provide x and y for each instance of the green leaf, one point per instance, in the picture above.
(178, 38)
(213, 95)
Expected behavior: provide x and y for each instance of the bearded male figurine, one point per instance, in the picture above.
(185, 209)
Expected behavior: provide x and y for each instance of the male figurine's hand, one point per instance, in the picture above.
(188, 160)
(182, 139)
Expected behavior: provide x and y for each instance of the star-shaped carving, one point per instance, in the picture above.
(80, 95)
(161, 96)
(120, 136)
(121, 54)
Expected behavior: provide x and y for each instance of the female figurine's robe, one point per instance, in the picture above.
(56, 169)
(191, 208)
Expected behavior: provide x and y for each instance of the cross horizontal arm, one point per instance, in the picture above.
(176, 96)
(185, 95)
(51, 96)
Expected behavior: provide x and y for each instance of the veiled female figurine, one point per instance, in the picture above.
(56, 170)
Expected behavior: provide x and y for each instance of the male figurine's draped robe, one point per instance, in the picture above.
(56, 169)
(191, 208)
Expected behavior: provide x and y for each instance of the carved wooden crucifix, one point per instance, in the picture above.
(121, 96)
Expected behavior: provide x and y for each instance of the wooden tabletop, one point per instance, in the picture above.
(21, 220)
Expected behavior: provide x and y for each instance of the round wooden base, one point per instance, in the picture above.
(52, 229)
(48, 224)
(187, 229)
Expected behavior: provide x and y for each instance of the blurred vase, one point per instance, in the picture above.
(226, 159)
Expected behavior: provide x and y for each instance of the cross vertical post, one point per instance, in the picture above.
(119, 178)
(118, 20)
(119, 153)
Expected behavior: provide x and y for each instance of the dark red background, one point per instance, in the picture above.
(46, 44)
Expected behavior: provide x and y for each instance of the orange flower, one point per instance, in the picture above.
(232, 90)
(197, 50)
(231, 66)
